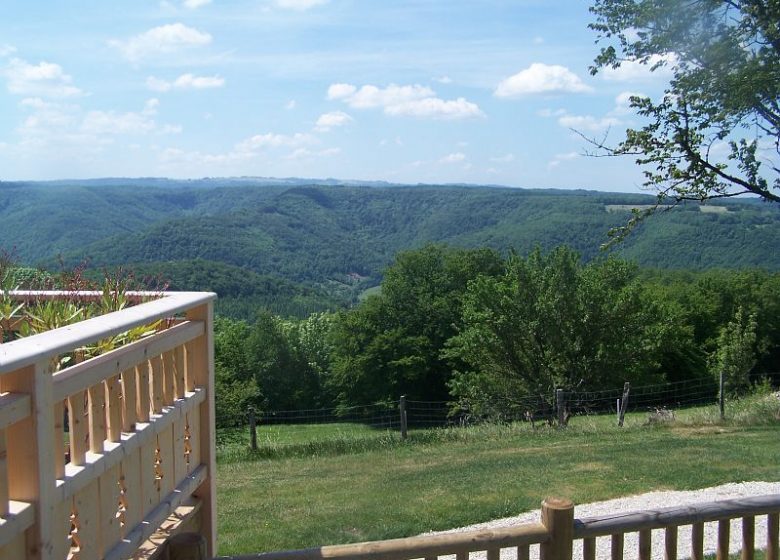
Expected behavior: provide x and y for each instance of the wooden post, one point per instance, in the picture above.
(722, 397)
(624, 403)
(187, 546)
(252, 429)
(558, 519)
(560, 402)
(772, 530)
(202, 373)
(402, 410)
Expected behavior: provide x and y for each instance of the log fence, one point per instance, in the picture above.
(98, 458)
(560, 536)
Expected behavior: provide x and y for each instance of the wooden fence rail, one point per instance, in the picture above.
(96, 457)
(558, 531)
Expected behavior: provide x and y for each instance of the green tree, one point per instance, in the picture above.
(735, 356)
(550, 322)
(392, 343)
(716, 131)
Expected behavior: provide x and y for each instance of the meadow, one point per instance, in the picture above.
(331, 484)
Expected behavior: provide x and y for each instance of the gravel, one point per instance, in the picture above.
(644, 502)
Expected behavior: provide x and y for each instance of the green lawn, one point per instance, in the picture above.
(441, 479)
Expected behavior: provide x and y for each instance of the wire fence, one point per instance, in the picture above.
(404, 414)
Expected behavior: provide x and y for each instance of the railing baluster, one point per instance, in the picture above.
(129, 400)
(724, 530)
(144, 388)
(3, 476)
(156, 370)
(97, 417)
(748, 537)
(493, 554)
(114, 408)
(617, 547)
(78, 428)
(523, 553)
(588, 548)
(670, 543)
(645, 544)
(59, 439)
(697, 541)
(772, 530)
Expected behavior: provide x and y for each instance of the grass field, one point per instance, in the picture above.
(338, 488)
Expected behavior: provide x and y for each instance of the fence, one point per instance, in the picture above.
(404, 414)
(104, 458)
(558, 530)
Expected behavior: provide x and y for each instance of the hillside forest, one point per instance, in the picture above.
(338, 296)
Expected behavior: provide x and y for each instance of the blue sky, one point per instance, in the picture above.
(406, 90)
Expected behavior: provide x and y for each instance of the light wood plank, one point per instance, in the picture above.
(129, 400)
(156, 384)
(97, 417)
(144, 392)
(18, 354)
(180, 365)
(13, 408)
(165, 444)
(169, 379)
(31, 458)
(203, 375)
(59, 439)
(114, 408)
(3, 476)
(77, 422)
(87, 521)
(179, 457)
(108, 487)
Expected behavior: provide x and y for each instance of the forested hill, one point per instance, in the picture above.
(336, 239)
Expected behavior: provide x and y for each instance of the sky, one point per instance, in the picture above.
(411, 91)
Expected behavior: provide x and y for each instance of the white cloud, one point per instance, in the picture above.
(6, 50)
(195, 4)
(111, 122)
(290, 105)
(444, 80)
(305, 153)
(634, 71)
(340, 91)
(332, 120)
(185, 81)
(370, 96)
(45, 79)
(623, 103)
(164, 39)
(271, 140)
(551, 113)
(433, 107)
(455, 157)
(588, 122)
(503, 159)
(538, 40)
(559, 158)
(408, 100)
(541, 79)
(299, 5)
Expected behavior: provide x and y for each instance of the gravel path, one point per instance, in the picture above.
(649, 501)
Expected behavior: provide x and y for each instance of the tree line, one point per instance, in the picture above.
(486, 332)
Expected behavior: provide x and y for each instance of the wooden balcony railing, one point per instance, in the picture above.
(106, 457)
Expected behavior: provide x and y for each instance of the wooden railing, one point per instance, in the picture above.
(136, 458)
(558, 530)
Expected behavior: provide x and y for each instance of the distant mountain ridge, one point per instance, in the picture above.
(336, 238)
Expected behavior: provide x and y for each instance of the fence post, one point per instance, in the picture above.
(721, 396)
(624, 403)
(252, 429)
(558, 519)
(402, 410)
(560, 401)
